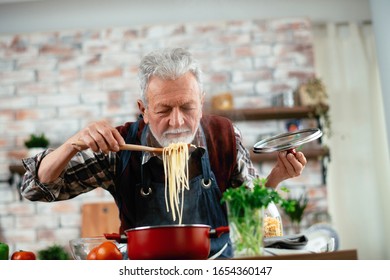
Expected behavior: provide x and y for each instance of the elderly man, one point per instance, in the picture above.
(171, 108)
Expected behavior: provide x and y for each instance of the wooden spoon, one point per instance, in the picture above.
(130, 147)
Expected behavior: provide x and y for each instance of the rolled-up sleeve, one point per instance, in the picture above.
(85, 172)
(244, 172)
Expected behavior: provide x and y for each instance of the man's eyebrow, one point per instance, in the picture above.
(165, 105)
(162, 105)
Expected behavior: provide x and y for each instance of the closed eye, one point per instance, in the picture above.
(187, 107)
(163, 110)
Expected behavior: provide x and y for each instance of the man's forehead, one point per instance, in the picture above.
(179, 95)
(178, 100)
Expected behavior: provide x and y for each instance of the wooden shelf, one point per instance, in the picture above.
(274, 113)
(278, 113)
(310, 153)
(269, 113)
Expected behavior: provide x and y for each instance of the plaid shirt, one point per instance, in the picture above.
(88, 170)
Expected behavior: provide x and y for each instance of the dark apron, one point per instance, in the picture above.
(201, 202)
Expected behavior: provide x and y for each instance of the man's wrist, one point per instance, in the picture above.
(271, 183)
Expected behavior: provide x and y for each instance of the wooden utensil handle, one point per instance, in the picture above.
(130, 147)
(80, 144)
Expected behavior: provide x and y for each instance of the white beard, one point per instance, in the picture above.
(165, 141)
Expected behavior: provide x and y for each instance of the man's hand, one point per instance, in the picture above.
(100, 136)
(287, 166)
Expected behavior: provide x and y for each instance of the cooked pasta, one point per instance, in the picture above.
(175, 160)
(272, 227)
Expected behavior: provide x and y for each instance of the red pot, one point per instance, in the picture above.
(169, 242)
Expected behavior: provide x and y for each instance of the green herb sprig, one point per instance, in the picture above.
(257, 197)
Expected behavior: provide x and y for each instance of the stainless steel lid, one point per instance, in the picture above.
(287, 141)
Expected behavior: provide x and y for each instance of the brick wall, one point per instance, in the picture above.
(57, 82)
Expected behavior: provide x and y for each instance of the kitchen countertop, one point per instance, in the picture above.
(296, 255)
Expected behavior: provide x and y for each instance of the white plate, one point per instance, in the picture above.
(322, 237)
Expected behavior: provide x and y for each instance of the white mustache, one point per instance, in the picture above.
(177, 131)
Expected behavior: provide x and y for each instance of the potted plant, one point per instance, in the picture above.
(36, 143)
(296, 215)
(314, 94)
(246, 207)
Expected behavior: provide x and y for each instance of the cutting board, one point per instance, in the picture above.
(99, 218)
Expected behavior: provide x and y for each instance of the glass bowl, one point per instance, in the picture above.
(80, 247)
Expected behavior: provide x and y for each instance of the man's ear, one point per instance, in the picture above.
(142, 109)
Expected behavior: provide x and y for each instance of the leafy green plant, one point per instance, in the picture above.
(37, 141)
(245, 211)
(259, 196)
(54, 252)
(296, 214)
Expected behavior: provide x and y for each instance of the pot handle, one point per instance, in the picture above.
(120, 238)
(217, 232)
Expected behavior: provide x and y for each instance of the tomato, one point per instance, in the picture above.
(23, 255)
(108, 251)
(105, 251)
(92, 254)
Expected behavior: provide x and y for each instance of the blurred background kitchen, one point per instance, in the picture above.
(64, 63)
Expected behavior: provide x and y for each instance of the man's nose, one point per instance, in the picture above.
(176, 118)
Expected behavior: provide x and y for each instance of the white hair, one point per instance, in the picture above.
(167, 64)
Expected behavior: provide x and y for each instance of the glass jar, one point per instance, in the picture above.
(248, 227)
(272, 221)
(246, 232)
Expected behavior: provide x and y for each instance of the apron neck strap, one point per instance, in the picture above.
(206, 169)
(130, 138)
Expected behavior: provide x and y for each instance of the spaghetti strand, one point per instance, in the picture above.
(175, 161)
